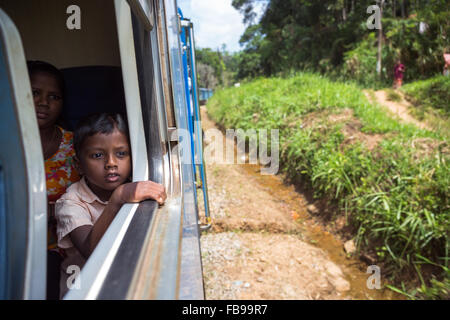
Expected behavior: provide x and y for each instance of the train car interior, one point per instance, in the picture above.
(122, 59)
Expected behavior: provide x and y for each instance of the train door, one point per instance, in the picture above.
(23, 208)
(191, 274)
(190, 74)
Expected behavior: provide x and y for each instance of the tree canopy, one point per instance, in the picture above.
(332, 36)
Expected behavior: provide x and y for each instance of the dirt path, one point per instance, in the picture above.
(400, 109)
(264, 244)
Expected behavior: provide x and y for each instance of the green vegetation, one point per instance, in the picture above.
(393, 96)
(430, 95)
(431, 99)
(213, 76)
(332, 37)
(391, 180)
(215, 68)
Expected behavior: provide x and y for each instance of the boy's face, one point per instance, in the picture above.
(47, 96)
(105, 161)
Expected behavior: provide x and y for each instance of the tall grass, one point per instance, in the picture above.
(433, 93)
(395, 196)
(431, 100)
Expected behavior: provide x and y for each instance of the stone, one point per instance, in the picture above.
(349, 247)
(333, 270)
(312, 209)
(340, 284)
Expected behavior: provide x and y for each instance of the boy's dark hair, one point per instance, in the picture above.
(45, 67)
(104, 123)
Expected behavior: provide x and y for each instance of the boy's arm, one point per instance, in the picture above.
(86, 238)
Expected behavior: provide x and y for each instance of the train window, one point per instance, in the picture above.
(154, 124)
(143, 10)
(125, 57)
(93, 63)
(138, 251)
(160, 12)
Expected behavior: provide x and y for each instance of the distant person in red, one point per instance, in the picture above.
(399, 69)
(447, 64)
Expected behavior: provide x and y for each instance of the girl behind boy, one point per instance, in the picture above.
(47, 84)
(88, 207)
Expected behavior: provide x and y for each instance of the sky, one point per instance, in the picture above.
(215, 22)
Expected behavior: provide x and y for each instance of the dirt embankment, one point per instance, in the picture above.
(265, 245)
(399, 109)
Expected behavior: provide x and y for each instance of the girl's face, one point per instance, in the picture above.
(105, 161)
(48, 99)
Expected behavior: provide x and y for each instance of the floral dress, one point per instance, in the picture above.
(60, 173)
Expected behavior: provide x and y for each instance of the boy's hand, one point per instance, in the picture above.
(139, 191)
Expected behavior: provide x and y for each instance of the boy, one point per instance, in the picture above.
(89, 206)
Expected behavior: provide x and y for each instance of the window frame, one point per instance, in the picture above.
(24, 175)
(99, 264)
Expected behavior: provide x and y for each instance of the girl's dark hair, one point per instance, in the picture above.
(45, 67)
(104, 123)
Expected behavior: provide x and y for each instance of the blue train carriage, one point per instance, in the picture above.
(116, 56)
(205, 94)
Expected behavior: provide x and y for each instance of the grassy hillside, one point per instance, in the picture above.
(433, 93)
(390, 180)
(431, 98)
